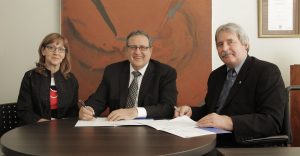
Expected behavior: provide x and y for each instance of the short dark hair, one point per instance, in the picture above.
(139, 32)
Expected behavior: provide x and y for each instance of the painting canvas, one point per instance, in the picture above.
(181, 30)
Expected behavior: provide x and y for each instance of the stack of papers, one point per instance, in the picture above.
(182, 126)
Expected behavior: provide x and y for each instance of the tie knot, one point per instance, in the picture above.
(136, 73)
(231, 73)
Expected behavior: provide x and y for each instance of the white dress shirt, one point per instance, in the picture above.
(142, 113)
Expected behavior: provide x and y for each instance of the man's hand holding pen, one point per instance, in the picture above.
(182, 110)
(86, 112)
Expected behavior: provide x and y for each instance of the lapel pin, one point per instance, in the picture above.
(240, 82)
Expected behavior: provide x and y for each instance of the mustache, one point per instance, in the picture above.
(225, 53)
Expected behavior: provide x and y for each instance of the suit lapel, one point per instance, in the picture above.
(220, 79)
(148, 77)
(124, 82)
(239, 80)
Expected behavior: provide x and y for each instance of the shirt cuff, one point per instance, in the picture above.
(142, 113)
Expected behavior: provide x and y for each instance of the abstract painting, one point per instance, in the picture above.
(181, 30)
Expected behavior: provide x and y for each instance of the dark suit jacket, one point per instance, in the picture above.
(34, 97)
(255, 103)
(157, 94)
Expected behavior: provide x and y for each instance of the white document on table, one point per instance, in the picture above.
(177, 123)
(182, 126)
(103, 122)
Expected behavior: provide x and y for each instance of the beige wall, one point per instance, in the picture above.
(25, 23)
(281, 51)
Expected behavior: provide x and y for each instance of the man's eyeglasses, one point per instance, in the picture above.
(53, 49)
(134, 48)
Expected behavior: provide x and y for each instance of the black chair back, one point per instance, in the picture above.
(8, 117)
(283, 139)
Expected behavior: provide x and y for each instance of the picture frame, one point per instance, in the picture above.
(278, 18)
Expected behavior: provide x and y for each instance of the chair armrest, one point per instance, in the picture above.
(272, 140)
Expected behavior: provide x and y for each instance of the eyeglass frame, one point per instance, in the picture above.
(49, 47)
(141, 48)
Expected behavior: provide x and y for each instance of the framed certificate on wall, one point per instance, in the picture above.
(278, 18)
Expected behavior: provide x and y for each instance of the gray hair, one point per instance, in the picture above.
(236, 29)
(139, 32)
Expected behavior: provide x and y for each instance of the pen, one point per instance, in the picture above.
(82, 103)
(175, 107)
(84, 106)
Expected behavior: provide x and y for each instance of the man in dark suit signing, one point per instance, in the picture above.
(139, 87)
(246, 95)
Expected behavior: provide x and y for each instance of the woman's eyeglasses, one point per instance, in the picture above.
(53, 49)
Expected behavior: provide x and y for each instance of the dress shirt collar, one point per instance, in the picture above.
(142, 70)
(238, 68)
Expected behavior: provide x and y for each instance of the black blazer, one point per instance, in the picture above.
(255, 103)
(157, 94)
(34, 96)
